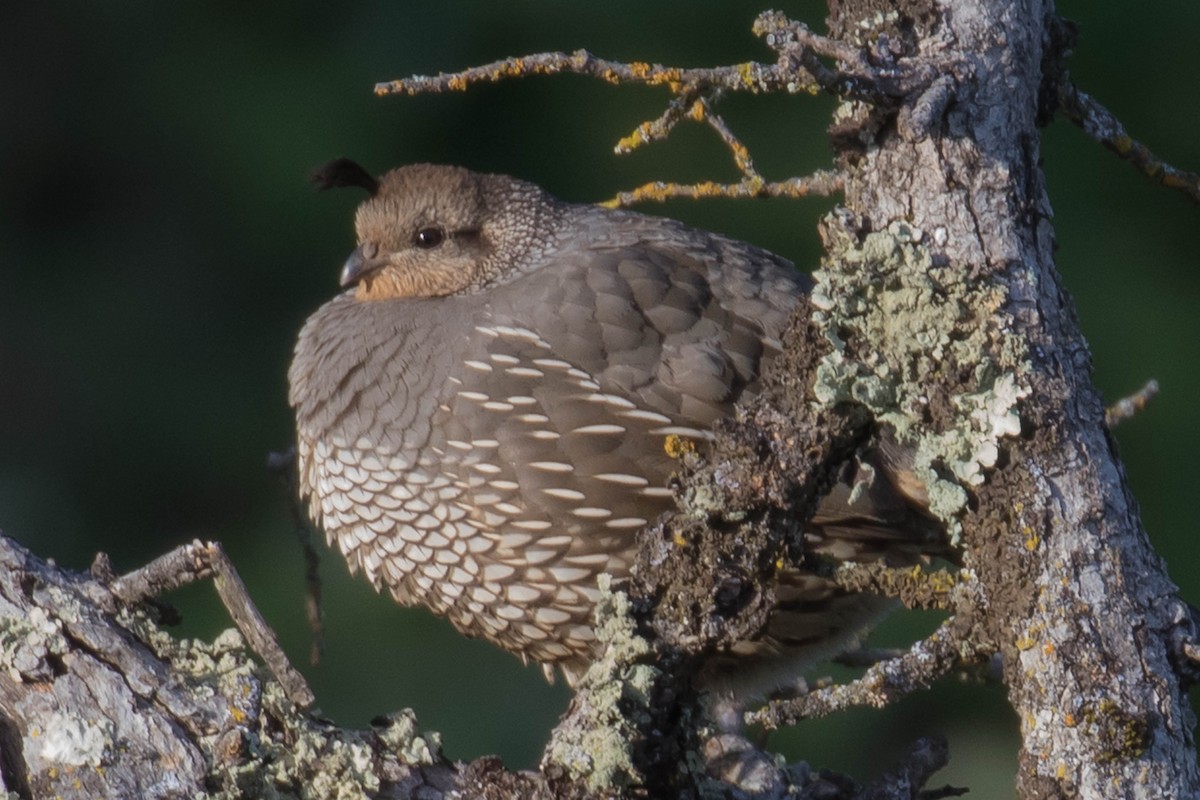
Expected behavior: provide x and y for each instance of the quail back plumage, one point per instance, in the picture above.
(481, 414)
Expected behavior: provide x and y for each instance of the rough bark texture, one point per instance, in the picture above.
(98, 702)
(1078, 603)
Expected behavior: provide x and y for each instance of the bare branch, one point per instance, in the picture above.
(799, 69)
(882, 684)
(886, 681)
(1102, 125)
(782, 34)
(200, 560)
(924, 757)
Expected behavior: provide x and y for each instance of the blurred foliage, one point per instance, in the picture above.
(159, 249)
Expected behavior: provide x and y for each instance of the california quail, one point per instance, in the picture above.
(481, 414)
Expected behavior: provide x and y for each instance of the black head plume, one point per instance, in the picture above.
(343, 172)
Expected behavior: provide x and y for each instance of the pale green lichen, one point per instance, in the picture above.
(26, 642)
(612, 701)
(318, 761)
(334, 766)
(910, 318)
(402, 737)
(298, 756)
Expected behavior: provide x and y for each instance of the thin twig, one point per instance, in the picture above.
(798, 69)
(1192, 651)
(1102, 125)
(821, 184)
(199, 560)
(1185, 642)
(1128, 407)
(944, 791)
(658, 129)
(882, 684)
(781, 33)
(741, 155)
(751, 76)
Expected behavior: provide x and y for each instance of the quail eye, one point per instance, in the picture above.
(428, 238)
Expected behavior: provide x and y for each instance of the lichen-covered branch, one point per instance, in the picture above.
(698, 107)
(282, 464)
(820, 184)
(875, 77)
(1102, 125)
(751, 76)
(882, 683)
(1069, 590)
(888, 679)
(96, 698)
(799, 68)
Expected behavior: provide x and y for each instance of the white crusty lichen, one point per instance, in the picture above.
(316, 760)
(26, 643)
(330, 764)
(911, 318)
(68, 741)
(611, 702)
(402, 737)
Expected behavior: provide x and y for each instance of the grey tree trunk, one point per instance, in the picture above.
(1076, 600)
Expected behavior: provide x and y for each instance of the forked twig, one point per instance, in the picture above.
(798, 68)
(200, 560)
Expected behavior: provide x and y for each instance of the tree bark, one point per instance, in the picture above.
(97, 701)
(1075, 598)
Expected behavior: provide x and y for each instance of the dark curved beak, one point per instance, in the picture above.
(362, 262)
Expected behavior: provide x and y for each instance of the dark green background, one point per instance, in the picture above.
(159, 249)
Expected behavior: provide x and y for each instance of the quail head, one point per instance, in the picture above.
(481, 414)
